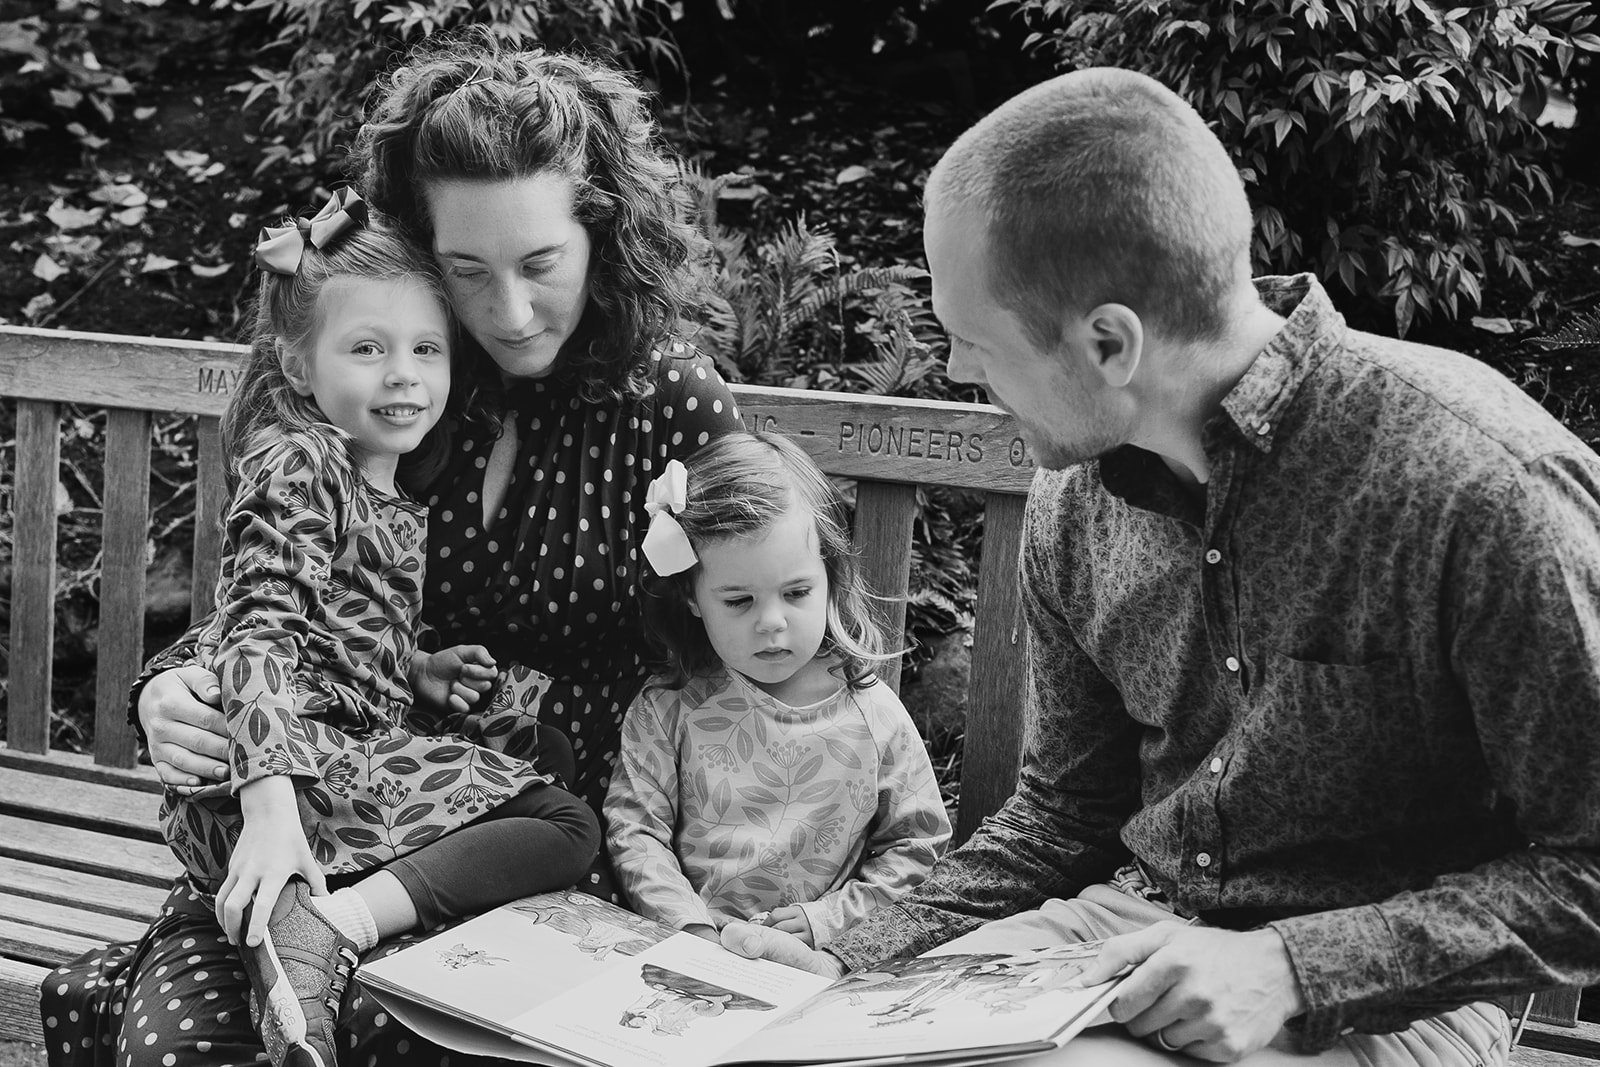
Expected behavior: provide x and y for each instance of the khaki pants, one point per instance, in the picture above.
(1478, 1035)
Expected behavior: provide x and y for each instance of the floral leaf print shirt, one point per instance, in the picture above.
(1353, 693)
(726, 802)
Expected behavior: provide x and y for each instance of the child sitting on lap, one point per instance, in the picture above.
(766, 774)
(338, 781)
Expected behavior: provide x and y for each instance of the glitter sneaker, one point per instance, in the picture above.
(298, 976)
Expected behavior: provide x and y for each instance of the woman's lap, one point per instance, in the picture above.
(178, 997)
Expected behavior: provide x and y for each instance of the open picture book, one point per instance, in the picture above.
(568, 979)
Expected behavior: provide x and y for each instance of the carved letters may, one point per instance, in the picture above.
(222, 380)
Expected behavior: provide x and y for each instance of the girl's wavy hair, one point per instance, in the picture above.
(265, 409)
(739, 484)
(469, 107)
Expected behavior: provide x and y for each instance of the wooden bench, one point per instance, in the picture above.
(81, 858)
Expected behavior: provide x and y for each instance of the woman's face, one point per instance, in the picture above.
(516, 265)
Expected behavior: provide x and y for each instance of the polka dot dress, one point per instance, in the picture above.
(550, 580)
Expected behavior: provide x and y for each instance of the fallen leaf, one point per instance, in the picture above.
(238, 219)
(853, 173)
(1500, 325)
(186, 159)
(38, 306)
(209, 172)
(120, 194)
(47, 269)
(153, 262)
(1572, 240)
(741, 192)
(63, 499)
(66, 248)
(203, 270)
(143, 113)
(71, 218)
(66, 99)
(130, 216)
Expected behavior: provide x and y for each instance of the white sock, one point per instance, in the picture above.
(349, 914)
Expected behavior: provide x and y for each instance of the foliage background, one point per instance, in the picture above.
(143, 142)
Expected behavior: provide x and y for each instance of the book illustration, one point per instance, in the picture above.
(566, 978)
(458, 956)
(675, 1000)
(600, 928)
(908, 990)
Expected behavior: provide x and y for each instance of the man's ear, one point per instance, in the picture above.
(694, 608)
(294, 368)
(1116, 338)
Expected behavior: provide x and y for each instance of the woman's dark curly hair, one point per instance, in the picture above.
(468, 106)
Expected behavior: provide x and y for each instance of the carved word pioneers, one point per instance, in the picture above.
(917, 442)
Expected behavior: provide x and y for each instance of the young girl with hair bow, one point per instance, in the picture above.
(338, 780)
(765, 774)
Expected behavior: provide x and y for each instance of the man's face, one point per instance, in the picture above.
(1051, 392)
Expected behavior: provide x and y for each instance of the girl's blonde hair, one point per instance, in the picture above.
(738, 486)
(266, 409)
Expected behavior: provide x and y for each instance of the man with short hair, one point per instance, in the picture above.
(1314, 615)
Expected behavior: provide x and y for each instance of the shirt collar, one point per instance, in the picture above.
(1252, 408)
(1255, 404)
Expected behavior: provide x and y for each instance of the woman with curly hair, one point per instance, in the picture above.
(539, 184)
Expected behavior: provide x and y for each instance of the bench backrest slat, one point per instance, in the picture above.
(123, 536)
(888, 445)
(33, 575)
(995, 688)
(885, 513)
(211, 497)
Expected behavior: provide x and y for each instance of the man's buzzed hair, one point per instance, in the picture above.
(1103, 186)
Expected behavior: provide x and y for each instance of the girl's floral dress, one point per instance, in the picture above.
(315, 622)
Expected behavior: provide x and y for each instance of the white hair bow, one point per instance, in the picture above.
(665, 545)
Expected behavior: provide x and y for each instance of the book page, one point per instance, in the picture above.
(682, 1003)
(970, 1006)
(495, 967)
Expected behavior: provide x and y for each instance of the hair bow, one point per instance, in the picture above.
(280, 248)
(666, 546)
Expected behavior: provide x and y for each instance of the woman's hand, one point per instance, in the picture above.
(188, 735)
(452, 678)
(271, 849)
(791, 919)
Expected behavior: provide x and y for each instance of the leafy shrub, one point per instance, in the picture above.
(49, 69)
(1383, 142)
(327, 52)
(774, 308)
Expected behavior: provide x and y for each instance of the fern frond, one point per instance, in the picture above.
(1581, 333)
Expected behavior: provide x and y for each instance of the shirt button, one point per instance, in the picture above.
(1216, 765)
(1204, 859)
(1232, 663)
(1213, 556)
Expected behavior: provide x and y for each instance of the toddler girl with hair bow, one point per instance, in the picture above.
(338, 781)
(765, 774)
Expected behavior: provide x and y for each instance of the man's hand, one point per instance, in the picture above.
(791, 919)
(188, 735)
(764, 943)
(1214, 994)
(452, 678)
(271, 849)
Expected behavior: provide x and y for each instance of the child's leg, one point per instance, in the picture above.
(543, 838)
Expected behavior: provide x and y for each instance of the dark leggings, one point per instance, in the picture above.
(542, 838)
